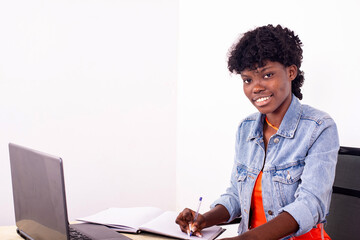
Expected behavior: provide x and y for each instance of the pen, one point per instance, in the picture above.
(196, 216)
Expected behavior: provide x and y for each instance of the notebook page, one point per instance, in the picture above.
(124, 217)
(165, 225)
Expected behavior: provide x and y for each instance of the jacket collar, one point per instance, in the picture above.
(288, 125)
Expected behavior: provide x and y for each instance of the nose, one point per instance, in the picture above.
(258, 87)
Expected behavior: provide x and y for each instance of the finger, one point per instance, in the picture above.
(198, 225)
(195, 231)
(184, 225)
(189, 231)
(184, 228)
(198, 234)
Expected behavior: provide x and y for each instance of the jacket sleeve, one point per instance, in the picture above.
(230, 199)
(312, 198)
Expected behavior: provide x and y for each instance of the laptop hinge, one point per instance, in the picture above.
(24, 235)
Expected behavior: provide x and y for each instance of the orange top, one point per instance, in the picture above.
(258, 217)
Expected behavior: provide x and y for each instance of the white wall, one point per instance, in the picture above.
(211, 103)
(94, 82)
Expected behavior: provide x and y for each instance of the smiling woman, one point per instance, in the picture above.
(268, 43)
(285, 154)
(269, 89)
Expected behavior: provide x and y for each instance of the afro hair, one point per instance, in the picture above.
(268, 43)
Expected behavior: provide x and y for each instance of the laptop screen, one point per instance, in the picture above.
(39, 194)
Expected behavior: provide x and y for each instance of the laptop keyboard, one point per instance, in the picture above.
(76, 235)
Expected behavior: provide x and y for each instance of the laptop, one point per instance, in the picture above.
(40, 201)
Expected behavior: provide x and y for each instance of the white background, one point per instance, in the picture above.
(95, 83)
(136, 98)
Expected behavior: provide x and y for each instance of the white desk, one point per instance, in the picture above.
(9, 233)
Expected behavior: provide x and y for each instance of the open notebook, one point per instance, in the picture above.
(148, 219)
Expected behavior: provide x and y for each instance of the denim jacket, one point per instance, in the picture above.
(299, 167)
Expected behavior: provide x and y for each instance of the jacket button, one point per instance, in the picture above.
(270, 212)
(276, 140)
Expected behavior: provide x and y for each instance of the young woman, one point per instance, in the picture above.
(286, 153)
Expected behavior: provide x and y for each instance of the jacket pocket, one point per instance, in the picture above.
(241, 180)
(286, 183)
(241, 173)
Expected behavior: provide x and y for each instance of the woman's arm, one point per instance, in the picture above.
(281, 226)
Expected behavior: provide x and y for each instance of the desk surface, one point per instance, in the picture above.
(9, 233)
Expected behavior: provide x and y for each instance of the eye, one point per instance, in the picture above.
(247, 80)
(268, 75)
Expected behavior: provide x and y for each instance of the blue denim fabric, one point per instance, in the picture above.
(298, 172)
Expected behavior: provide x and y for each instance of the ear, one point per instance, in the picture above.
(292, 72)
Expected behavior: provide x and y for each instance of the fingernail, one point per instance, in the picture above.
(191, 227)
(199, 235)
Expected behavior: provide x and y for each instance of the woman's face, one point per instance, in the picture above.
(269, 88)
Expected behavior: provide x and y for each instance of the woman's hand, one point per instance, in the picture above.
(217, 215)
(186, 222)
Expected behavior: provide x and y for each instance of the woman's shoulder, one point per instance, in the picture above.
(252, 118)
(314, 114)
(250, 124)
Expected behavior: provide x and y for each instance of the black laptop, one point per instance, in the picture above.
(40, 201)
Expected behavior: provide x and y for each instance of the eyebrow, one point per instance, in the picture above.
(262, 70)
(265, 68)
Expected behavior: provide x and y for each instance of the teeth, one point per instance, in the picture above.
(262, 99)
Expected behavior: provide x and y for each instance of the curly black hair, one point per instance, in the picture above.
(276, 44)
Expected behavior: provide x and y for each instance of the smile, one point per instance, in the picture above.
(262, 101)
